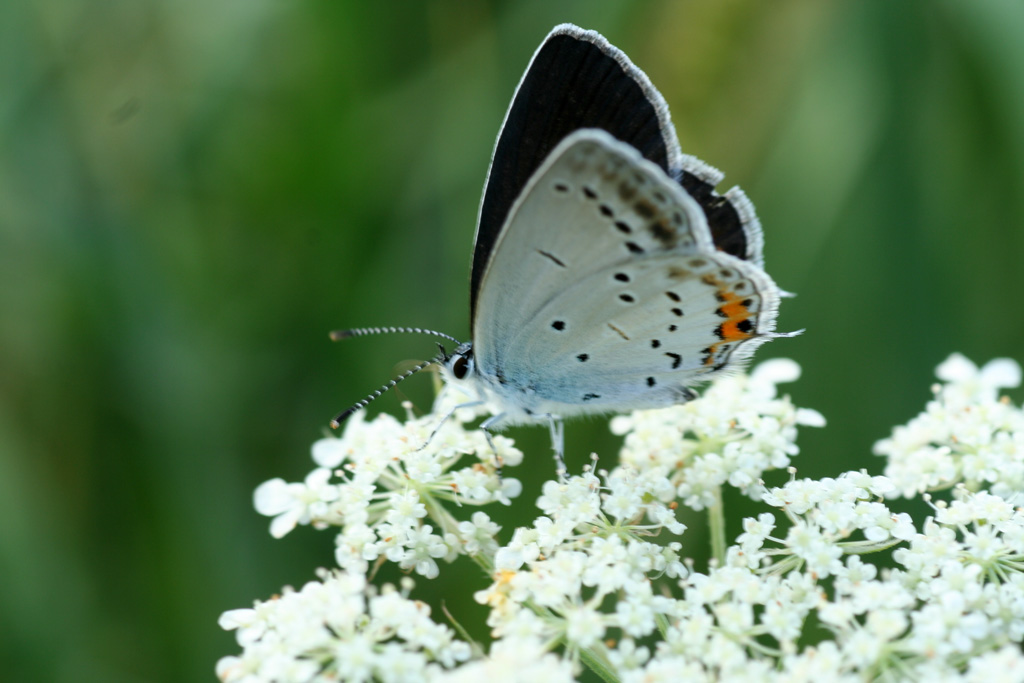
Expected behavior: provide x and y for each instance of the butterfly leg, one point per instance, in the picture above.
(557, 429)
(471, 404)
(486, 427)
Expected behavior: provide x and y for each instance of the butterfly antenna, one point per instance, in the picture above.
(337, 335)
(345, 414)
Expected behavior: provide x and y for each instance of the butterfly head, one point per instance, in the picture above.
(459, 365)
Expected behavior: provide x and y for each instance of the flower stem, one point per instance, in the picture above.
(716, 522)
(599, 665)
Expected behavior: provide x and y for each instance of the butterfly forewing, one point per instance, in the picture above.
(592, 204)
(575, 80)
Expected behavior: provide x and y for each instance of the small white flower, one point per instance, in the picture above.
(514, 660)
(809, 417)
(421, 550)
(478, 534)
(627, 656)
(886, 624)
(636, 616)
(965, 434)
(405, 509)
(782, 622)
(584, 626)
(775, 371)
(1005, 665)
(1001, 373)
(337, 629)
(292, 504)
(331, 452)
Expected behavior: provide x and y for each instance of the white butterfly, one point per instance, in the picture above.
(608, 275)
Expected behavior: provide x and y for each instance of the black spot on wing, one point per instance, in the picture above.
(664, 233)
(618, 331)
(645, 209)
(551, 257)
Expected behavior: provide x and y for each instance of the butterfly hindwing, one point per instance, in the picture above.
(637, 333)
(734, 226)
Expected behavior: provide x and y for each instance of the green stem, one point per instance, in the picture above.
(599, 665)
(716, 522)
(867, 547)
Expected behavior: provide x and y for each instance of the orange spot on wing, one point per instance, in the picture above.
(735, 312)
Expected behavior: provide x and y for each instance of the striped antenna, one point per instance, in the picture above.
(337, 335)
(345, 414)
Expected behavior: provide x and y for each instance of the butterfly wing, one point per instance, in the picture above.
(640, 342)
(605, 288)
(734, 226)
(576, 80)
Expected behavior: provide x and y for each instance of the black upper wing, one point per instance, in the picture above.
(575, 80)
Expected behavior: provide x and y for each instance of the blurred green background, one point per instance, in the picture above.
(193, 193)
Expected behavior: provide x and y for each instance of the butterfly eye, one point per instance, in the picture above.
(460, 368)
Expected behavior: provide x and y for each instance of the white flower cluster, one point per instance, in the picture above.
(957, 590)
(966, 434)
(339, 628)
(738, 430)
(604, 577)
(587, 566)
(375, 483)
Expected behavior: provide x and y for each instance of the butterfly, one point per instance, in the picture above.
(608, 273)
